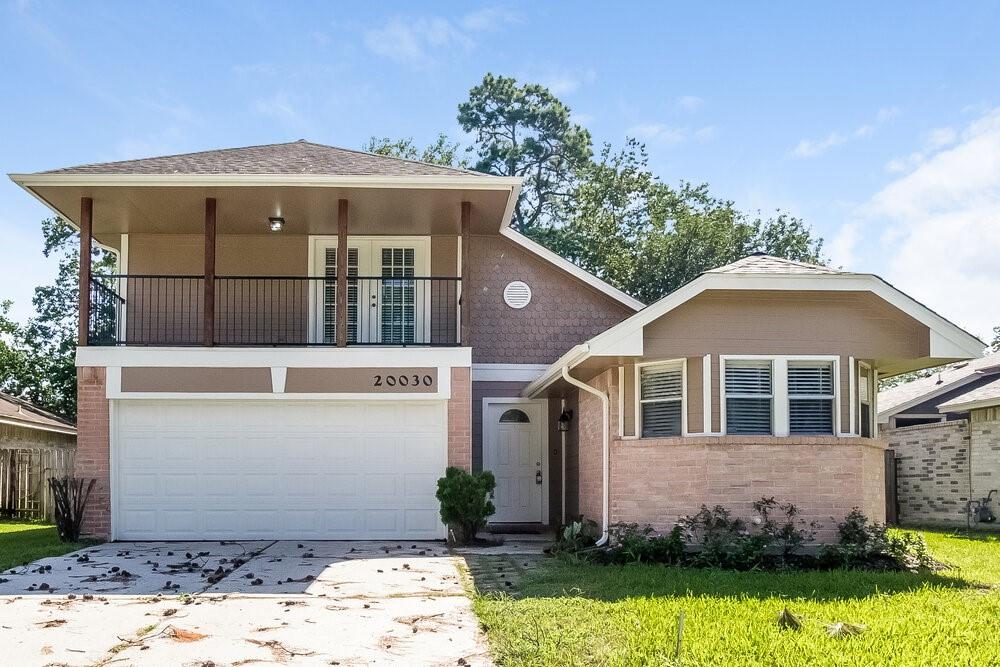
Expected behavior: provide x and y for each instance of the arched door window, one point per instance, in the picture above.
(514, 416)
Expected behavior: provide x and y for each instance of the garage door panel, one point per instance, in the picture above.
(278, 469)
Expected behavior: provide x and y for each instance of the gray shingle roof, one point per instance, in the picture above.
(939, 382)
(19, 410)
(988, 392)
(771, 264)
(296, 157)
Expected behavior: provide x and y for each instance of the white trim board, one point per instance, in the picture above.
(506, 372)
(289, 357)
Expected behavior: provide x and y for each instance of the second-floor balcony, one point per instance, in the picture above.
(170, 310)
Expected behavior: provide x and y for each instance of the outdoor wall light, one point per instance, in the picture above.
(276, 223)
(564, 419)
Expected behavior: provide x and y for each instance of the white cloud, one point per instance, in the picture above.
(886, 114)
(417, 42)
(666, 134)
(935, 140)
(815, 147)
(844, 245)
(809, 148)
(943, 228)
(941, 137)
(563, 82)
(278, 106)
(690, 103)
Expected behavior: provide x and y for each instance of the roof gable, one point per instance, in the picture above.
(19, 411)
(296, 157)
(761, 263)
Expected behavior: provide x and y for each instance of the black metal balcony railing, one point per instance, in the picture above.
(272, 311)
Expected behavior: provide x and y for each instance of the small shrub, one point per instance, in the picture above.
(465, 502)
(70, 500)
(630, 543)
(576, 536)
(790, 534)
(865, 544)
(722, 540)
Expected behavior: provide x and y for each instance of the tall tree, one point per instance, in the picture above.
(995, 343)
(37, 358)
(524, 130)
(442, 152)
(648, 238)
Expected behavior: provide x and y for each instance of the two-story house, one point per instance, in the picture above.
(300, 339)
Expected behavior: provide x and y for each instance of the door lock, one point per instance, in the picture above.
(538, 477)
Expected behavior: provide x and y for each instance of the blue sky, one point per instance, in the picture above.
(878, 124)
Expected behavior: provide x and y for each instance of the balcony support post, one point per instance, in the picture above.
(342, 273)
(208, 308)
(466, 298)
(86, 233)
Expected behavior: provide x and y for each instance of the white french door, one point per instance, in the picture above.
(387, 302)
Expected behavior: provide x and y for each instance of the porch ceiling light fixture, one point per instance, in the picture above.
(275, 223)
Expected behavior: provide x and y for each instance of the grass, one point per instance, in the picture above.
(22, 542)
(563, 614)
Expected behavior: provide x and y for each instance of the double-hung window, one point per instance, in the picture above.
(810, 397)
(749, 397)
(661, 399)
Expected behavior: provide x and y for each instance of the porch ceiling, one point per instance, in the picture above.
(166, 209)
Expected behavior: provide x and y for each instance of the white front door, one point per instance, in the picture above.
(514, 452)
(388, 302)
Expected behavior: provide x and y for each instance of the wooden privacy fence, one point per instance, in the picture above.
(24, 474)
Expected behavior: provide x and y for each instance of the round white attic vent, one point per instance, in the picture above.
(517, 294)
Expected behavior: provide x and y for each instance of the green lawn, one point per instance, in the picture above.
(22, 542)
(627, 615)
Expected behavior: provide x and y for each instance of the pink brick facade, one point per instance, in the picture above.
(460, 419)
(657, 481)
(93, 449)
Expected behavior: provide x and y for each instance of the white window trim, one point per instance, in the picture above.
(856, 398)
(779, 388)
(682, 362)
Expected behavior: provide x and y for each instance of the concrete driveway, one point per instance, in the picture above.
(241, 603)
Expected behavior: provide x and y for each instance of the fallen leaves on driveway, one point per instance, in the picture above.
(182, 635)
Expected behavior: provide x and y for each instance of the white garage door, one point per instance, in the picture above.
(278, 469)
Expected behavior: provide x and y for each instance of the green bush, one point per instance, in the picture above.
(465, 502)
(867, 545)
(630, 543)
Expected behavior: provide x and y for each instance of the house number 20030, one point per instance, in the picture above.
(414, 380)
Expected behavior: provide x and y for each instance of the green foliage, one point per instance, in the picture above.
(465, 502)
(631, 543)
(865, 544)
(576, 537)
(526, 131)
(442, 152)
(648, 238)
(37, 358)
(995, 343)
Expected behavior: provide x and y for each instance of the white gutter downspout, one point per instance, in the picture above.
(606, 421)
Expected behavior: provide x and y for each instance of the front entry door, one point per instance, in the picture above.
(514, 453)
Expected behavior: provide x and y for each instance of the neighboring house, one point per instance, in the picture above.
(34, 445)
(942, 466)
(302, 337)
(919, 401)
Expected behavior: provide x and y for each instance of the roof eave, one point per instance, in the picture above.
(436, 182)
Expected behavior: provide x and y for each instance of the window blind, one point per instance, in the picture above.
(748, 397)
(810, 398)
(661, 390)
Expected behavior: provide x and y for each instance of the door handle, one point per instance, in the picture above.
(538, 477)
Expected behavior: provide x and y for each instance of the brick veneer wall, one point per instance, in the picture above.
(93, 449)
(657, 481)
(460, 419)
(984, 439)
(932, 472)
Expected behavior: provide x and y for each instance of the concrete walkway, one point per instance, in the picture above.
(234, 603)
